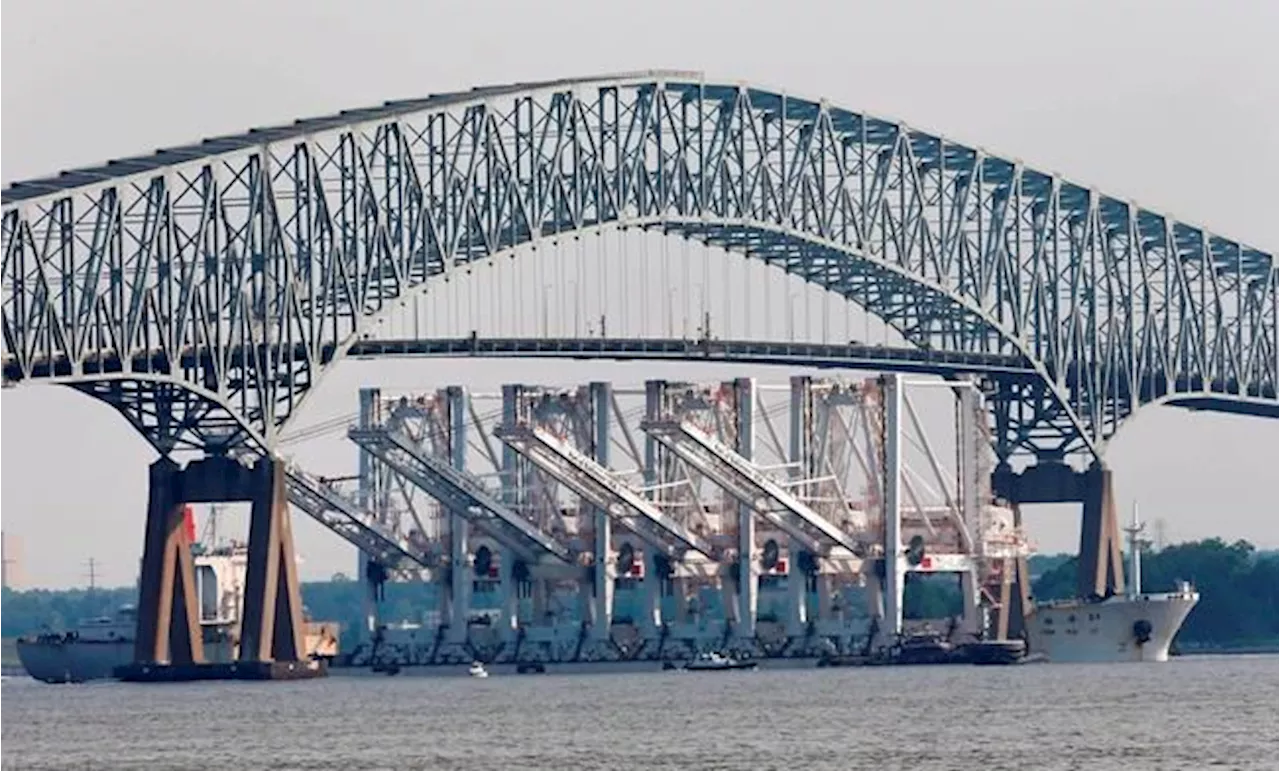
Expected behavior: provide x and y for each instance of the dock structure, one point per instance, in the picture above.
(599, 522)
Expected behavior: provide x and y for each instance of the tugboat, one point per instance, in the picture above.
(714, 662)
(922, 648)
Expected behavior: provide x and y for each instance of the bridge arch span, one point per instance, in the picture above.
(242, 266)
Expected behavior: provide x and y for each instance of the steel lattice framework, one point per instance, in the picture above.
(203, 290)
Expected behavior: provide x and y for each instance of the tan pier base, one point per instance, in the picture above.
(169, 644)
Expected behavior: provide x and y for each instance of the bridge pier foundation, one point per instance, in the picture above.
(169, 641)
(1100, 571)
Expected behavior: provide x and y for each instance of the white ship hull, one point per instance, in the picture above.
(1112, 630)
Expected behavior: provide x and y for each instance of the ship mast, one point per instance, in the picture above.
(210, 534)
(1135, 554)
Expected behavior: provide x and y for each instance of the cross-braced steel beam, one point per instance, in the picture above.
(751, 486)
(597, 485)
(239, 268)
(460, 493)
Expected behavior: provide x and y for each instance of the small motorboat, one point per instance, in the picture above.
(715, 662)
(477, 670)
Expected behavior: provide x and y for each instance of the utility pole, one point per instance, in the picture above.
(6, 562)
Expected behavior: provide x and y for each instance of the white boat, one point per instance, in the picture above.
(715, 662)
(477, 670)
(1135, 627)
(96, 647)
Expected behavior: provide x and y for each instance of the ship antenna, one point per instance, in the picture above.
(1135, 553)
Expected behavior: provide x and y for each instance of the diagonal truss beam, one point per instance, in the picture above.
(460, 493)
(333, 510)
(596, 484)
(244, 266)
(749, 485)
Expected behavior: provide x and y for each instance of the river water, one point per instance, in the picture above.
(1193, 713)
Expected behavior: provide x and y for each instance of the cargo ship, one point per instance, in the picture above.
(1136, 626)
(97, 646)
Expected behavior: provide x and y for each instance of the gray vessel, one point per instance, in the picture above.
(94, 649)
(97, 646)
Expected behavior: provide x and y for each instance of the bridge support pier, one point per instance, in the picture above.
(272, 626)
(1100, 570)
(169, 643)
(168, 615)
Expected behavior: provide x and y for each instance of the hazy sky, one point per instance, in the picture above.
(1173, 104)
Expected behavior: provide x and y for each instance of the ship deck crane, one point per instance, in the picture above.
(597, 485)
(332, 509)
(749, 485)
(461, 493)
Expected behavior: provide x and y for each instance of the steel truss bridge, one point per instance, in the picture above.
(205, 289)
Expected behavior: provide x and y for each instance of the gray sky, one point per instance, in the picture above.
(1170, 103)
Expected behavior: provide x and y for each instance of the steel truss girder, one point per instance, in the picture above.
(460, 493)
(333, 510)
(749, 485)
(1026, 417)
(267, 253)
(596, 484)
(172, 416)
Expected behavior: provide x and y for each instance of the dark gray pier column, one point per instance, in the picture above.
(1100, 572)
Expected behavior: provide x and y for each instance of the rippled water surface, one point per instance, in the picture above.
(1195, 713)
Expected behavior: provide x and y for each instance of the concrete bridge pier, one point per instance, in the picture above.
(1100, 570)
(169, 643)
